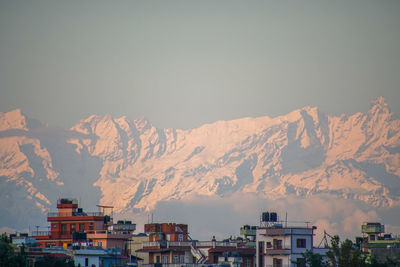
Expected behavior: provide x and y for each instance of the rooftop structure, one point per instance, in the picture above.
(169, 243)
(279, 245)
(71, 225)
(378, 244)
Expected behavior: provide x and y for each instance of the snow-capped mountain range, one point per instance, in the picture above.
(132, 165)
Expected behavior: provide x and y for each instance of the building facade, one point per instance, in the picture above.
(170, 244)
(71, 225)
(377, 244)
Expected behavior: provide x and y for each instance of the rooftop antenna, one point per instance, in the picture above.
(286, 220)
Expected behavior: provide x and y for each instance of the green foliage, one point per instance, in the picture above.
(7, 256)
(388, 263)
(314, 259)
(345, 255)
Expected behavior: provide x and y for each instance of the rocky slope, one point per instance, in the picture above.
(132, 165)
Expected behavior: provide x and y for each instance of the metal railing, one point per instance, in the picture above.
(40, 233)
(166, 244)
(277, 251)
(181, 265)
(217, 244)
(66, 214)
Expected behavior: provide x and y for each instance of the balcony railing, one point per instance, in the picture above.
(40, 233)
(217, 244)
(277, 251)
(182, 265)
(67, 214)
(165, 244)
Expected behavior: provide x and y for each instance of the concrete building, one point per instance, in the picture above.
(377, 244)
(170, 244)
(135, 244)
(98, 257)
(279, 245)
(71, 225)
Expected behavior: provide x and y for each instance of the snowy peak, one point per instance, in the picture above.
(380, 110)
(135, 165)
(16, 120)
(13, 120)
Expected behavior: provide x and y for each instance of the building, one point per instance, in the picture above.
(377, 244)
(279, 245)
(135, 244)
(170, 244)
(71, 225)
(96, 256)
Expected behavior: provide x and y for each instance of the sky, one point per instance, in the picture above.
(181, 64)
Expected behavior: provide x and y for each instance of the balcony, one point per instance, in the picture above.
(217, 244)
(68, 214)
(165, 244)
(104, 234)
(41, 233)
(277, 251)
(182, 265)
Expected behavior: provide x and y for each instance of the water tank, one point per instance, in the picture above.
(265, 217)
(274, 217)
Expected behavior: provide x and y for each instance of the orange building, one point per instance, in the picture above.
(71, 225)
(168, 243)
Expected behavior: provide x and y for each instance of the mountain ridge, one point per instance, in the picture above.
(134, 166)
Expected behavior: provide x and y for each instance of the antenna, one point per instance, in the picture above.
(286, 220)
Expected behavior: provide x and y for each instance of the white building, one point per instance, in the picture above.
(279, 246)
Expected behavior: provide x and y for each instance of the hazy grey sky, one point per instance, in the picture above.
(184, 63)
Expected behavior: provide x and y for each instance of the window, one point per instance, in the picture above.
(99, 244)
(54, 225)
(86, 262)
(63, 229)
(261, 246)
(91, 226)
(157, 259)
(277, 262)
(269, 245)
(277, 243)
(165, 259)
(81, 227)
(182, 259)
(301, 262)
(72, 229)
(301, 243)
(248, 262)
(176, 259)
(180, 237)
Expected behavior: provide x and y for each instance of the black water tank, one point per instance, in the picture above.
(274, 217)
(265, 217)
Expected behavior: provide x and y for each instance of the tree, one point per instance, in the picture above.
(7, 256)
(345, 255)
(314, 260)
